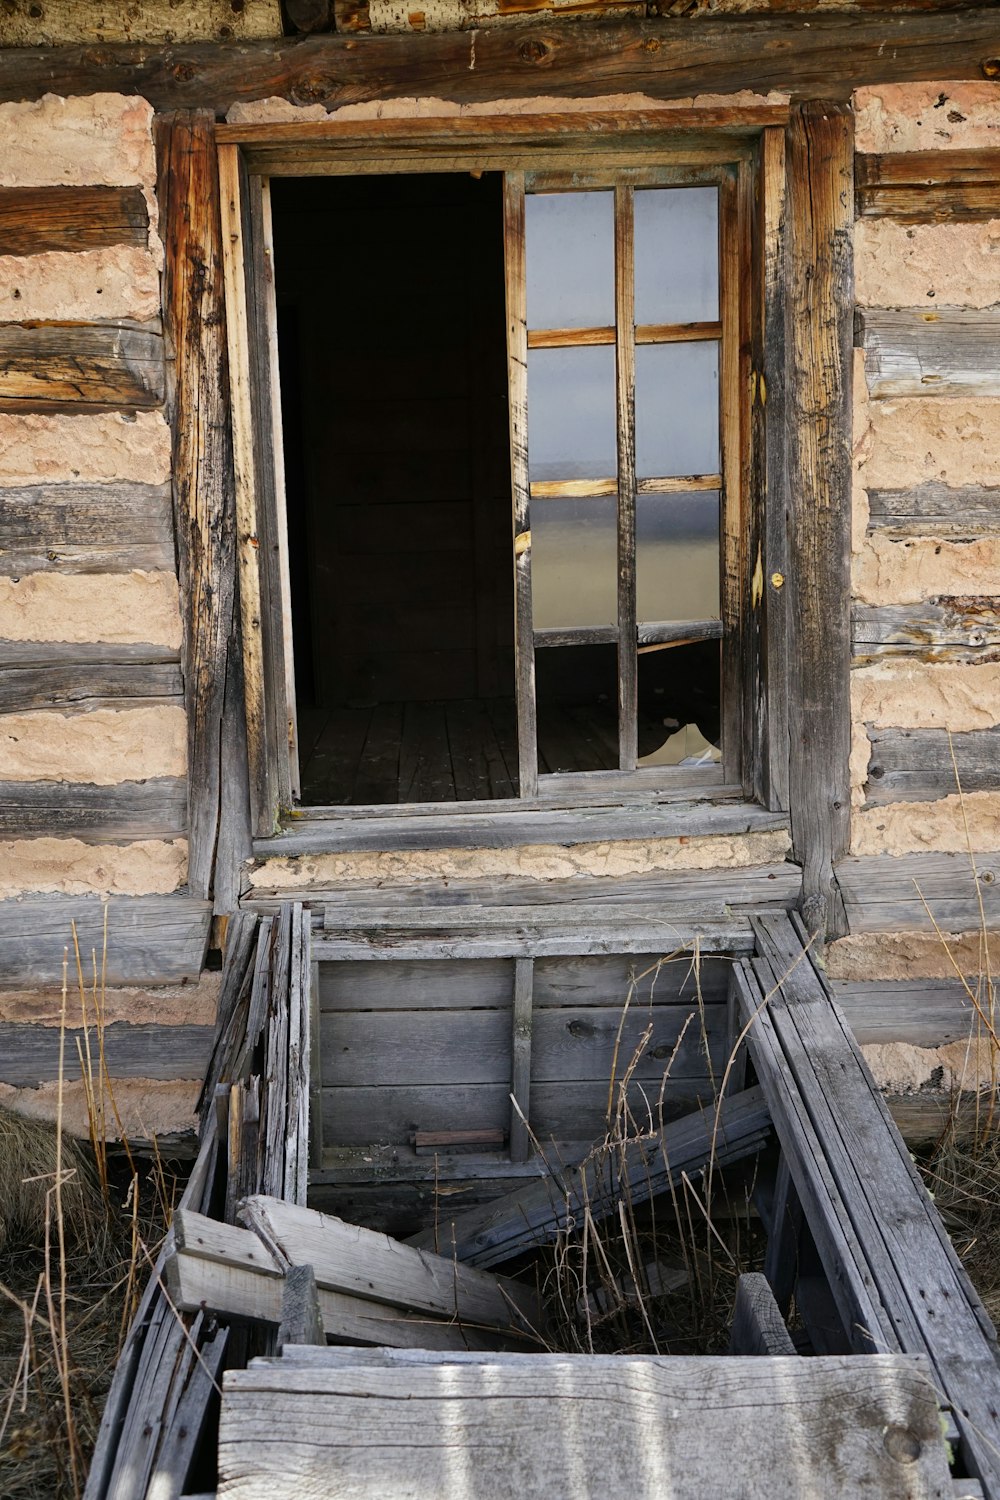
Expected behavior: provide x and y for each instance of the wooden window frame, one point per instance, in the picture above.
(742, 149)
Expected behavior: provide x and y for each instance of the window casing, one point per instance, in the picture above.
(731, 166)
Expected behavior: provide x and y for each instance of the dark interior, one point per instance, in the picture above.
(392, 346)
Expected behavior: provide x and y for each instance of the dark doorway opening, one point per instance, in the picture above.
(392, 346)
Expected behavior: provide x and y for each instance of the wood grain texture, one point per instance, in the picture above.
(73, 368)
(942, 629)
(820, 290)
(824, 55)
(34, 220)
(685, 1427)
(154, 809)
(151, 939)
(883, 893)
(920, 765)
(924, 187)
(75, 678)
(935, 509)
(86, 528)
(912, 352)
(188, 190)
(922, 1012)
(758, 1327)
(29, 1054)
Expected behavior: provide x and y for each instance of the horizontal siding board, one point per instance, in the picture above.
(78, 367)
(151, 939)
(86, 528)
(921, 1012)
(79, 678)
(913, 352)
(930, 509)
(34, 220)
(926, 187)
(429, 984)
(887, 893)
(560, 1111)
(942, 629)
(154, 809)
(643, 978)
(29, 1055)
(446, 1048)
(920, 765)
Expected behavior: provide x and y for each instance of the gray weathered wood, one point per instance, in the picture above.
(521, 1035)
(301, 1315)
(944, 629)
(190, 1416)
(935, 509)
(885, 893)
(919, 765)
(33, 219)
(918, 1274)
(820, 295)
(75, 367)
(421, 830)
(683, 1427)
(154, 809)
(923, 1012)
(362, 1263)
(86, 528)
(758, 1327)
(536, 1212)
(918, 352)
(538, 939)
(188, 190)
(74, 678)
(151, 939)
(29, 1054)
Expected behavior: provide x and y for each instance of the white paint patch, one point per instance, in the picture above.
(101, 748)
(120, 608)
(109, 446)
(147, 867)
(61, 286)
(926, 116)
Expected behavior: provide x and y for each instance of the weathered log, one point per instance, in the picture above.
(74, 367)
(922, 187)
(33, 220)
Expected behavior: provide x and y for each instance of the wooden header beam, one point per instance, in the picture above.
(818, 55)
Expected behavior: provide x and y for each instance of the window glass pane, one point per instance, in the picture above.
(571, 413)
(677, 556)
(676, 409)
(679, 698)
(574, 562)
(677, 255)
(570, 253)
(576, 691)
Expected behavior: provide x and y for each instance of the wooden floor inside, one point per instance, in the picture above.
(462, 750)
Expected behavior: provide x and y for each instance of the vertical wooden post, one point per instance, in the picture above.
(204, 513)
(820, 217)
(517, 368)
(520, 1087)
(628, 661)
(733, 386)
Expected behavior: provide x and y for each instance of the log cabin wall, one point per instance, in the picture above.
(93, 734)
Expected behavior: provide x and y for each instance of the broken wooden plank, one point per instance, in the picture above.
(758, 1327)
(36, 219)
(916, 352)
(362, 1263)
(301, 1314)
(76, 367)
(537, 1212)
(189, 1416)
(927, 187)
(234, 1291)
(684, 1426)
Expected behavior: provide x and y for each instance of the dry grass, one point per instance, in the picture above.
(657, 1277)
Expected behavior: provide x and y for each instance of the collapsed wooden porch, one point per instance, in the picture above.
(311, 1328)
